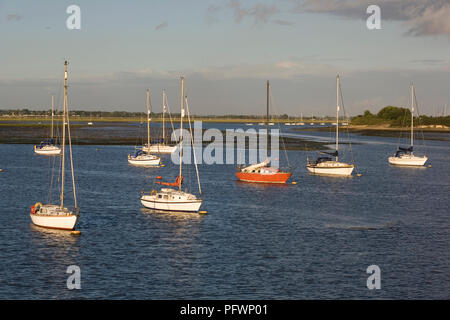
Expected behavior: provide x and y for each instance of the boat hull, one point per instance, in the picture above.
(48, 151)
(336, 169)
(278, 177)
(66, 222)
(144, 161)
(185, 206)
(409, 161)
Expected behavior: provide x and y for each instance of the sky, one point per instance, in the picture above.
(226, 50)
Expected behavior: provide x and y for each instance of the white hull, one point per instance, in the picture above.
(331, 168)
(408, 160)
(171, 200)
(186, 206)
(144, 161)
(48, 150)
(66, 222)
(159, 148)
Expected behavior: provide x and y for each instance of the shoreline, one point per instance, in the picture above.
(429, 133)
(158, 119)
(377, 128)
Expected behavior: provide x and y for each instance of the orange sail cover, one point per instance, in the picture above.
(172, 184)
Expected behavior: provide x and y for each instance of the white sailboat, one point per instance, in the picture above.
(326, 165)
(175, 199)
(405, 156)
(48, 146)
(161, 147)
(142, 158)
(52, 215)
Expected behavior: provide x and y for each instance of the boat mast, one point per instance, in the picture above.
(193, 146)
(53, 103)
(71, 157)
(64, 135)
(164, 111)
(181, 130)
(267, 122)
(148, 120)
(412, 115)
(337, 116)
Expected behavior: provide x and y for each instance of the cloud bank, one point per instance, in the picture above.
(421, 17)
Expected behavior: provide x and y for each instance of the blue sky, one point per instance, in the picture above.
(226, 50)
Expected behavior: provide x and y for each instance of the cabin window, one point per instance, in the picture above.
(166, 196)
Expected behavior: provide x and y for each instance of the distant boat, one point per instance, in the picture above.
(142, 158)
(48, 147)
(311, 124)
(271, 123)
(405, 156)
(51, 215)
(175, 199)
(90, 123)
(322, 123)
(161, 147)
(249, 124)
(326, 165)
(262, 172)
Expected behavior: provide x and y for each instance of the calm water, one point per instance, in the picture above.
(310, 240)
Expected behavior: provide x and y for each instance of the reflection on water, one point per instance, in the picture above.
(55, 235)
(175, 217)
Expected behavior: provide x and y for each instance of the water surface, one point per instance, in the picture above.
(312, 240)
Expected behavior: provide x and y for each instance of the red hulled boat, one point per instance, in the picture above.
(262, 172)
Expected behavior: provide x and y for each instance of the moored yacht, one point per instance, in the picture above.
(405, 156)
(326, 165)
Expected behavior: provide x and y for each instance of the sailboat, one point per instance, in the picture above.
(52, 215)
(161, 147)
(175, 199)
(405, 156)
(262, 172)
(48, 146)
(142, 158)
(326, 165)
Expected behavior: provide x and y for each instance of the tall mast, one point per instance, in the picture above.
(181, 130)
(337, 115)
(267, 122)
(53, 105)
(148, 120)
(64, 135)
(412, 115)
(164, 111)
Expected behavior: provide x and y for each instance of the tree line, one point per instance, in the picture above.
(397, 117)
